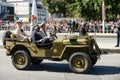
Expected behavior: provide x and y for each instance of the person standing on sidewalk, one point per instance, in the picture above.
(83, 30)
(53, 30)
(118, 31)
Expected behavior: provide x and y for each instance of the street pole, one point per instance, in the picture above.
(93, 23)
(94, 32)
(103, 24)
(103, 16)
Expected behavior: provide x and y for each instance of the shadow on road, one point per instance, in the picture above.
(51, 67)
(64, 68)
(104, 70)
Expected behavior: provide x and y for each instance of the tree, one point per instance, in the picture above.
(88, 9)
(112, 9)
(55, 6)
(91, 9)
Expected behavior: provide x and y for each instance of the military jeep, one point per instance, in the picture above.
(81, 52)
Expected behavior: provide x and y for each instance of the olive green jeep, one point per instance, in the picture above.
(81, 52)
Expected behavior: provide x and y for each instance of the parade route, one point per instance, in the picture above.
(107, 68)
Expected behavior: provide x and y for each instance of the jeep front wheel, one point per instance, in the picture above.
(94, 58)
(21, 60)
(79, 62)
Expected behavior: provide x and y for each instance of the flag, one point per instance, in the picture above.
(34, 15)
(34, 11)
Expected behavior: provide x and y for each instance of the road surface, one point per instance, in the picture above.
(107, 68)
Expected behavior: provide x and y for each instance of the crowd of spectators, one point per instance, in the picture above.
(10, 25)
(70, 26)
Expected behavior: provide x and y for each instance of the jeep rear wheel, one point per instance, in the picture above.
(80, 62)
(21, 60)
(5, 35)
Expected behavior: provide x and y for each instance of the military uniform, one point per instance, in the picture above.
(118, 34)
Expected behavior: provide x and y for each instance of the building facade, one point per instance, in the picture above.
(2, 0)
(6, 11)
(23, 9)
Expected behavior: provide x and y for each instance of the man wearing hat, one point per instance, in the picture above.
(43, 33)
(38, 39)
(42, 30)
(19, 32)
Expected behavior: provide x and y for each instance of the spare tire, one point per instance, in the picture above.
(5, 35)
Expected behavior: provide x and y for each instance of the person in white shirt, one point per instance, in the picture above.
(19, 32)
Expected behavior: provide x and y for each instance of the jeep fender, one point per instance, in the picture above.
(70, 49)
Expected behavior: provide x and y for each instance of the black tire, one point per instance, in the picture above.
(94, 61)
(36, 61)
(21, 60)
(80, 62)
(5, 35)
(94, 58)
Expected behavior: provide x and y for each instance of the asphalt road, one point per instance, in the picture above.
(106, 42)
(107, 68)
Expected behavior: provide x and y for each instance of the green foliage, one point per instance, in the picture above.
(88, 9)
(55, 6)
